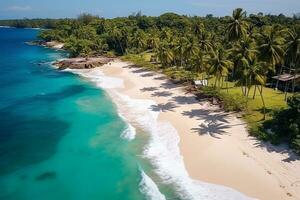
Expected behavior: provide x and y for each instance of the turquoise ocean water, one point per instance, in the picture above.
(59, 135)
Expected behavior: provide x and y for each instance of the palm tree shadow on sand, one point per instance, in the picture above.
(183, 100)
(164, 107)
(140, 70)
(207, 116)
(160, 78)
(149, 89)
(148, 74)
(162, 94)
(211, 129)
(169, 85)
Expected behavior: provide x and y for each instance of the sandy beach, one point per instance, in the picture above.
(215, 145)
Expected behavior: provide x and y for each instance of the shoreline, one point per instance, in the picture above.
(163, 150)
(230, 157)
(22, 27)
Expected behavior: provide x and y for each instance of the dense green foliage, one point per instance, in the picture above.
(285, 124)
(230, 102)
(247, 50)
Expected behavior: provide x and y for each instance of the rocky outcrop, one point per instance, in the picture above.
(55, 45)
(52, 44)
(74, 63)
(82, 63)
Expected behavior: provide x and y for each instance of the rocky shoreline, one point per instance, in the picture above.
(73, 63)
(52, 44)
(82, 62)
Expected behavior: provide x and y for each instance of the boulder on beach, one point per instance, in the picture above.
(82, 63)
(55, 44)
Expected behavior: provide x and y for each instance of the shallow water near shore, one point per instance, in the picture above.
(60, 135)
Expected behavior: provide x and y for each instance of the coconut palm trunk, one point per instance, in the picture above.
(249, 87)
(215, 85)
(227, 85)
(263, 101)
(254, 93)
(121, 46)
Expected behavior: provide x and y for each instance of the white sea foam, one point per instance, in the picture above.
(129, 132)
(34, 28)
(149, 188)
(6, 27)
(162, 150)
(96, 76)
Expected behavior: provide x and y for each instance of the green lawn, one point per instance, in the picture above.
(273, 100)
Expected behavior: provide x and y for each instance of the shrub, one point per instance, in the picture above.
(230, 102)
(139, 61)
(110, 54)
(259, 132)
(180, 75)
(233, 102)
(210, 92)
(285, 125)
(296, 144)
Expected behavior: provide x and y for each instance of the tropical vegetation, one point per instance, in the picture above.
(237, 54)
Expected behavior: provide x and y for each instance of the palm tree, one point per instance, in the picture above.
(237, 26)
(124, 38)
(191, 49)
(257, 76)
(197, 27)
(200, 63)
(292, 53)
(116, 36)
(166, 34)
(246, 48)
(199, 60)
(271, 46)
(179, 49)
(165, 54)
(152, 42)
(138, 40)
(293, 46)
(219, 64)
(205, 41)
(241, 53)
